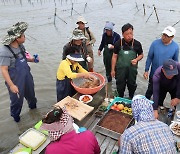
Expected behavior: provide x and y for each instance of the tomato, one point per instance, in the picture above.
(115, 105)
(116, 109)
(112, 107)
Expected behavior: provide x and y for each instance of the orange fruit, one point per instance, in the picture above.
(120, 106)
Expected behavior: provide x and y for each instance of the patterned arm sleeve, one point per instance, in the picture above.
(125, 145)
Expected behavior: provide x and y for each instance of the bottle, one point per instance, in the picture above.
(36, 58)
(169, 116)
(170, 113)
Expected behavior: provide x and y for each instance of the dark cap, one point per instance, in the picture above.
(170, 67)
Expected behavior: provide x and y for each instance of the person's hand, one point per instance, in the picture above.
(14, 89)
(99, 53)
(134, 61)
(91, 77)
(111, 47)
(156, 115)
(87, 43)
(175, 101)
(146, 74)
(113, 73)
(89, 59)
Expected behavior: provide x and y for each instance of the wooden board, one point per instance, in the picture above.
(80, 111)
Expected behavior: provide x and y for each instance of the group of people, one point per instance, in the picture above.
(148, 135)
(120, 57)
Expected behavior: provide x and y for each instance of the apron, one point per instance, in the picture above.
(64, 87)
(126, 72)
(107, 57)
(22, 78)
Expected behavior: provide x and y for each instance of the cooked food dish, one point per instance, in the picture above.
(85, 98)
(175, 127)
(111, 121)
(90, 84)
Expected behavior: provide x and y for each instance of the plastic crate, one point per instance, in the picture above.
(119, 99)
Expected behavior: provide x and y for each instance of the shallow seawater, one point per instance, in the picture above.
(47, 39)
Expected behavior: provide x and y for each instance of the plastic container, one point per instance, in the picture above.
(32, 138)
(119, 99)
(170, 113)
(178, 114)
(36, 59)
(76, 82)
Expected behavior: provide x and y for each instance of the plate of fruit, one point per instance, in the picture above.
(85, 98)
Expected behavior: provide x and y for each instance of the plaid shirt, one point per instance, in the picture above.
(153, 137)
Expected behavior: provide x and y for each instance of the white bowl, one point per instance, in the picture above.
(178, 114)
(82, 96)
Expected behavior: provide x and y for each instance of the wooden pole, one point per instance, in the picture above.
(149, 16)
(144, 9)
(175, 23)
(55, 13)
(156, 14)
(85, 6)
(72, 9)
(137, 6)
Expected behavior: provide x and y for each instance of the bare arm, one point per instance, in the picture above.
(5, 73)
(113, 64)
(138, 58)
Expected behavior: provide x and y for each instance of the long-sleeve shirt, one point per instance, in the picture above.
(160, 81)
(90, 36)
(152, 137)
(158, 53)
(108, 40)
(65, 70)
(75, 143)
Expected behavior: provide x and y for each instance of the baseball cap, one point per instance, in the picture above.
(169, 30)
(170, 67)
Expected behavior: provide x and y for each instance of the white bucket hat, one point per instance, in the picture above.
(75, 57)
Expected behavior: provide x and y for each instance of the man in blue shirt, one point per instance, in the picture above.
(160, 50)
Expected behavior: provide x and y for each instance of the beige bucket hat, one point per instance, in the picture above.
(81, 19)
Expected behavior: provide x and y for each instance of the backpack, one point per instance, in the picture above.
(87, 30)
